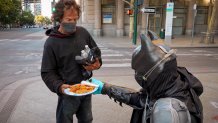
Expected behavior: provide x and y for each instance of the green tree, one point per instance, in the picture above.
(27, 18)
(10, 11)
(47, 21)
(15, 11)
(39, 19)
(5, 7)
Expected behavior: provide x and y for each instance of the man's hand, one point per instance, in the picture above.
(93, 66)
(63, 86)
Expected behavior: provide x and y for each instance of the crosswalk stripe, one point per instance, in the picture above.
(4, 39)
(26, 40)
(103, 48)
(109, 55)
(109, 51)
(117, 65)
(15, 40)
(117, 60)
(196, 54)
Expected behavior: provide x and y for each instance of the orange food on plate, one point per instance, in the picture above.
(81, 88)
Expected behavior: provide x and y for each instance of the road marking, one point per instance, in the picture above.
(196, 54)
(105, 55)
(215, 104)
(33, 55)
(26, 69)
(200, 51)
(117, 65)
(18, 72)
(26, 40)
(99, 45)
(109, 51)
(35, 34)
(15, 40)
(115, 60)
(103, 48)
(4, 39)
(22, 65)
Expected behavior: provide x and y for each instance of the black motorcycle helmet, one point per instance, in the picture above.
(148, 60)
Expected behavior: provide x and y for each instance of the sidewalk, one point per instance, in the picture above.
(179, 41)
(30, 101)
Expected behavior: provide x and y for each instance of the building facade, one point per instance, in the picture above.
(32, 5)
(109, 18)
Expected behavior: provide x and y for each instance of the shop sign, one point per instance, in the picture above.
(107, 18)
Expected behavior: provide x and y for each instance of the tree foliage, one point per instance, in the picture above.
(26, 18)
(47, 21)
(41, 20)
(11, 13)
(5, 7)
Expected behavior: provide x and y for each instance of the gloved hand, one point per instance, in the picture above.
(99, 83)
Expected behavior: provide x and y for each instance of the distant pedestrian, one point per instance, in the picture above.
(59, 68)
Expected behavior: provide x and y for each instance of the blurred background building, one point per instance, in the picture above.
(109, 18)
(32, 5)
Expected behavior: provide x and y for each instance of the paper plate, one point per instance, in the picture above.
(68, 92)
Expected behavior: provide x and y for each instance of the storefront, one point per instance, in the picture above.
(109, 18)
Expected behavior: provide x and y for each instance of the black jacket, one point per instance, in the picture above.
(185, 84)
(58, 61)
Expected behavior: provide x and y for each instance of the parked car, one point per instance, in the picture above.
(45, 27)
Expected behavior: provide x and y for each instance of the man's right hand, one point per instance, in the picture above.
(62, 87)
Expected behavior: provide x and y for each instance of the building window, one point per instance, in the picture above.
(108, 11)
(202, 15)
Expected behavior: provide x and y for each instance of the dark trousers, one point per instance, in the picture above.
(70, 105)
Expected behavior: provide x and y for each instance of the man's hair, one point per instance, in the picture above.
(63, 5)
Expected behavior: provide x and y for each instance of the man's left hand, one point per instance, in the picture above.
(93, 66)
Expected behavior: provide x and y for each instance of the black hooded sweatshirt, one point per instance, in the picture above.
(58, 61)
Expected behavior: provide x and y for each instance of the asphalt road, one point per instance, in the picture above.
(20, 54)
(20, 58)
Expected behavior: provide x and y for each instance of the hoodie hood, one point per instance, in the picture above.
(53, 32)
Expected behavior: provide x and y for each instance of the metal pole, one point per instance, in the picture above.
(193, 27)
(147, 16)
(53, 4)
(131, 21)
(193, 23)
(135, 21)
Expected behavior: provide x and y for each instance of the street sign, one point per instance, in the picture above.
(169, 22)
(150, 10)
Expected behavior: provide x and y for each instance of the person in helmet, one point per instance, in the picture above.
(169, 93)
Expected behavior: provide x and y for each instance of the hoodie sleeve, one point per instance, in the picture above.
(49, 70)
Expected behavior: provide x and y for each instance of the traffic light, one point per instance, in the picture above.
(129, 12)
(53, 7)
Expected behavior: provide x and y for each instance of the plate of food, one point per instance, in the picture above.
(84, 88)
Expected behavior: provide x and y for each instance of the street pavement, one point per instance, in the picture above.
(26, 98)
